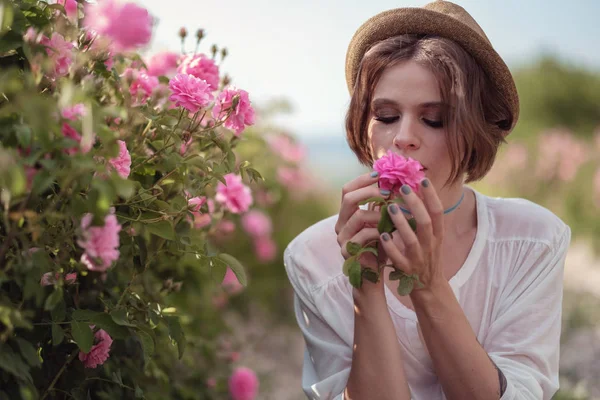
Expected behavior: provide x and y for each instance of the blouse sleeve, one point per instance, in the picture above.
(524, 338)
(327, 357)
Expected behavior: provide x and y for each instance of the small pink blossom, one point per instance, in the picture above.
(69, 132)
(285, 147)
(101, 243)
(201, 67)
(142, 87)
(239, 118)
(226, 227)
(236, 196)
(265, 248)
(99, 352)
(396, 170)
(122, 163)
(257, 223)
(60, 52)
(74, 112)
(163, 64)
(560, 155)
(234, 356)
(190, 92)
(201, 220)
(243, 384)
(126, 25)
(32, 36)
(211, 382)
(70, 8)
(230, 283)
(50, 278)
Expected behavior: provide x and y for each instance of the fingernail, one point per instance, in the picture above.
(374, 174)
(385, 192)
(425, 182)
(393, 209)
(385, 237)
(405, 189)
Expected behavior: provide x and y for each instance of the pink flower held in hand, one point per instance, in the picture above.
(230, 283)
(241, 116)
(127, 25)
(101, 243)
(396, 170)
(190, 92)
(162, 64)
(243, 384)
(201, 67)
(236, 196)
(99, 352)
(122, 163)
(257, 223)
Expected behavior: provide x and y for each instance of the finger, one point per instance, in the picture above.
(394, 254)
(410, 240)
(434, 207)
(359, 220)
(363, 237)
(350, 202)
(421, 215)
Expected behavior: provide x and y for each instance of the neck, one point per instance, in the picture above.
(464, 217)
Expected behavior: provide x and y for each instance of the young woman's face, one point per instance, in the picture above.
(406, 117)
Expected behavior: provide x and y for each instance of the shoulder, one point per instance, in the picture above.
(521, 220)
(313, 257)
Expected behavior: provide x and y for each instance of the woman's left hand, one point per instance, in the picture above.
(421, 253)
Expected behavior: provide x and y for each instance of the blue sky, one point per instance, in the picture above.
(297, 49)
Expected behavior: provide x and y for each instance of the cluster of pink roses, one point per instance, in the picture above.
(260, 228)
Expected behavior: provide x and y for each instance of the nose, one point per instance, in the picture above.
(406, 137)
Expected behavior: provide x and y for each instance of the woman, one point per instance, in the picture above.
(426, 83)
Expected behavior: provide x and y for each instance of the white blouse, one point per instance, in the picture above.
(510, 289)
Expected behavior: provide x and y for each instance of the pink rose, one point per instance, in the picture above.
(201, 220)
(226, 227)
(99, 352)
(74, 112)
(101, 243)
(142, 87)
(230, 283)
(122, 163)
(265, 248)
(241, 116)
(71, 133)
(60, 53)
(70, 8)
(243, 384)
(201, 67)
(126, 25)
(396, 170)
(50, 278)
(236, 196)
(162, 64)
(257, 223)
(190, 92)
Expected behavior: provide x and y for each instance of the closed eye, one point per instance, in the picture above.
(387, 120)
(434, 124)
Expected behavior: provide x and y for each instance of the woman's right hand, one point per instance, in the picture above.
(357, 225)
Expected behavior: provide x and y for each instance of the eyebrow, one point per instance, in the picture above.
(429, 104)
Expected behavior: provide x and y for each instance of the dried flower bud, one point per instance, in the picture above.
(226, 80)
(223, 53)
(214, 50)
(200, 34)
(182, 32)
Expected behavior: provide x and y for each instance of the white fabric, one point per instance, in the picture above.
(510, 288)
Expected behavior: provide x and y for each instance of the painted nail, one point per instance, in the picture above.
(385, 192)
(393, 209)
(425, 182)
(385, 236)
(405, 189)
(374, 174)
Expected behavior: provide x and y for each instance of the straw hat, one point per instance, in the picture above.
(441, 18)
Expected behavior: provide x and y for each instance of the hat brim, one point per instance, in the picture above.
(412, 20)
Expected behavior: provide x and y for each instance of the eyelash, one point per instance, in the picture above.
(391, 120)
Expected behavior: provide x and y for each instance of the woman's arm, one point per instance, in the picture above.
(377, 367)
(463, 367)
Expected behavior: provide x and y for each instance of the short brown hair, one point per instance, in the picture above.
(478, 117)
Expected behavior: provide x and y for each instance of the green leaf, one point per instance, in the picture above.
(82, 335)
(139, 393)
(413, 224)
(176, 333)
(59, 312)
(355, 275)
(58, 334)
(370, 275)
(376, 200)
(405, 286)
(116, 331)
(369, 250)
(236, 267)
(396, 274)
(28, 352)
(120, 317)
(147, 345)
(348, 263)
(13, 364)
(385, 223)
(352, 248)
(54, 299)
(218, 271)
(163, 229)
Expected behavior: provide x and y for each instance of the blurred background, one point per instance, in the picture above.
(290, 57)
